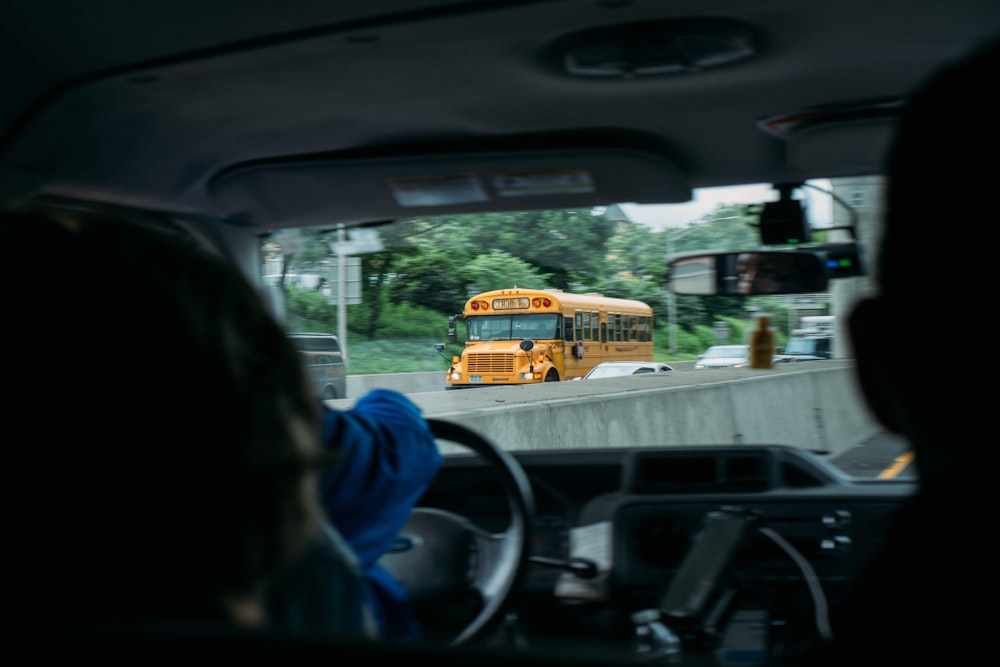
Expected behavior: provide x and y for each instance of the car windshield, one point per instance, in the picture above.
(431, 304)
(512, 327)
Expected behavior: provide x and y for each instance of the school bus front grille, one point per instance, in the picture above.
(482, 363)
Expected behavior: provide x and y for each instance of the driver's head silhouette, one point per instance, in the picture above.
(916, 600)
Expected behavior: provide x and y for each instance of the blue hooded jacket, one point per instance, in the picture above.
(388, 457)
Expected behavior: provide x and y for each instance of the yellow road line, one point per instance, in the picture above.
(897, 466)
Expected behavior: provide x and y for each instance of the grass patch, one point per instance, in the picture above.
(401, 355)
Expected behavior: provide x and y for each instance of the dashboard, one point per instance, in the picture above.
(741, 548)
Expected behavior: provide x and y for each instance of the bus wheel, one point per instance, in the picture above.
(553, 376)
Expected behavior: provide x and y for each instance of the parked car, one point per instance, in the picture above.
(608, 369)
(724, 356)
(451, 147)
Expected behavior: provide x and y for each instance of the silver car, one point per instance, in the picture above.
(724, 356)
(608, 369)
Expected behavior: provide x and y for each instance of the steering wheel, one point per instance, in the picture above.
(440, 555)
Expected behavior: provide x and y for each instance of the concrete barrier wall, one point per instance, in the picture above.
(408, 383)
(411, 383)
(815, 409)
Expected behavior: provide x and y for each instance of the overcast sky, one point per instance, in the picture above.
(818, 205)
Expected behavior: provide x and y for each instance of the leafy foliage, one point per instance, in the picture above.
(308, 310)
(429, 280)
(498, 269)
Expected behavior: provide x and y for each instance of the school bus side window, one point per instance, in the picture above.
(594, 323)
(569, 327)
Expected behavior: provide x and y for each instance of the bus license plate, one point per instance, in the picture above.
(475, 378)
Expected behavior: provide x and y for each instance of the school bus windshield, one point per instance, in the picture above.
(514, 327)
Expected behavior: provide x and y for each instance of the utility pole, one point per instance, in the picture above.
(672, 235)
(341, 289)
(348, 245)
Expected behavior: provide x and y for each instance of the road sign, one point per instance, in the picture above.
(359, 242)
(352, 280)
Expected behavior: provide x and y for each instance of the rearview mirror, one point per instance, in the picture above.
(748, 273)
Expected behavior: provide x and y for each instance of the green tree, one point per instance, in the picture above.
(431, 279)
(308, 310)
(536, 237)
(501, 270)
(728, 227)
(636, 250)
(378, 270)
(691, 312)
(569, 245)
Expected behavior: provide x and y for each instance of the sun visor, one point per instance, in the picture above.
(358, 190)
(826, 149)
(837, 140)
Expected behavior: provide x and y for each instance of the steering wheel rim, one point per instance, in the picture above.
(442, 549)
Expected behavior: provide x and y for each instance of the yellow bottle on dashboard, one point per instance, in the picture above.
(762, 344)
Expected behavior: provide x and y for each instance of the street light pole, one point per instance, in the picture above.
(672, 236)
(342, 290)
(671, 305)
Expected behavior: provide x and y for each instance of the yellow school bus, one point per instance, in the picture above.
(524, 336)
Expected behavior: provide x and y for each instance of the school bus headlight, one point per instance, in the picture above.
(455, 376)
